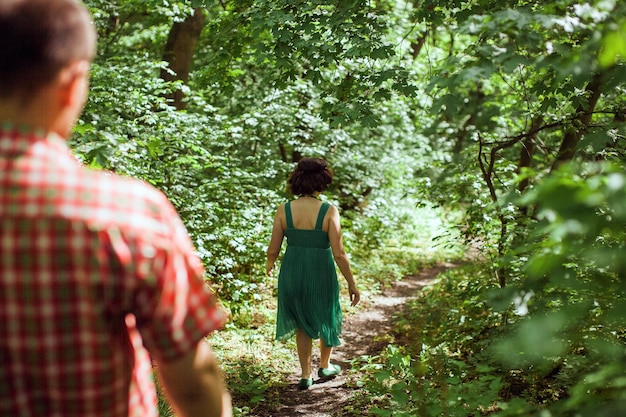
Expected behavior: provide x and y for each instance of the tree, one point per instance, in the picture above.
(179, 52)
(525, 94)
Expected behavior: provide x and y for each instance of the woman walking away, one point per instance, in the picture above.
(308, 290)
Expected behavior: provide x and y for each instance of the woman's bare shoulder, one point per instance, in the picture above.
(332, 210)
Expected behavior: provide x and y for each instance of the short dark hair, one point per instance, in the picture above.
(312, 175)
(38, 38)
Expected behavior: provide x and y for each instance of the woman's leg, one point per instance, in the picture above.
(305, 348)
(325, 352)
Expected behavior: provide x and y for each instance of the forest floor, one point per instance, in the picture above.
(364, 333)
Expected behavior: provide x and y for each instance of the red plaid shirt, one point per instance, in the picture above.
(93, 267)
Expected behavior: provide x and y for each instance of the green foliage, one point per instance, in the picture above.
(551, 345)
(254, 365)
(339, 48)
(526, 88)
(576, 278)
(386, 250)
(445, 368)
(521, 91)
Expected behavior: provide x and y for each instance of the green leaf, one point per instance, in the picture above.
(382, 375)
(613, 47)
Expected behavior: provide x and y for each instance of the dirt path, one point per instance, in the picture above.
(361, 336)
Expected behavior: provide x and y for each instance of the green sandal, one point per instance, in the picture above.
(305, 383)
(329, 372)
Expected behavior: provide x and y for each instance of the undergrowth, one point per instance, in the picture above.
(444, 361)
(439, 364)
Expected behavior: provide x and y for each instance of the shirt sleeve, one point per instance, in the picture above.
(176, 307)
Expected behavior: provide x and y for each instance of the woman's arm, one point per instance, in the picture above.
(278, 233)
(340, 254)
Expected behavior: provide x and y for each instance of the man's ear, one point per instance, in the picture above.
(72, 84)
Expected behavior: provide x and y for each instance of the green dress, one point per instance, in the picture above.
(308, 290)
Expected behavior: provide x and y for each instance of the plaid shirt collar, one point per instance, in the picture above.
(15, 141)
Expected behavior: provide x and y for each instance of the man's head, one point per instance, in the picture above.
(38, 39)
(46, 47)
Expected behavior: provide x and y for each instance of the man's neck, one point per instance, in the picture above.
(37, 115)
(22, 116)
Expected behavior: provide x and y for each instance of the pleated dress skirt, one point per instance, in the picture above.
(308, 290)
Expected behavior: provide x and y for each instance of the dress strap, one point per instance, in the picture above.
(320, 216)
(288, 215)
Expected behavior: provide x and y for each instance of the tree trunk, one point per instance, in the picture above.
(179, 51)
(416, 46)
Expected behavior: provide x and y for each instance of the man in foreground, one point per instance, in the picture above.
(98, 276)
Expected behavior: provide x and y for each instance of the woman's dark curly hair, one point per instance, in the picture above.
(312, 175)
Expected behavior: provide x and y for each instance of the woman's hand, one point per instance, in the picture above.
(355, 295)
